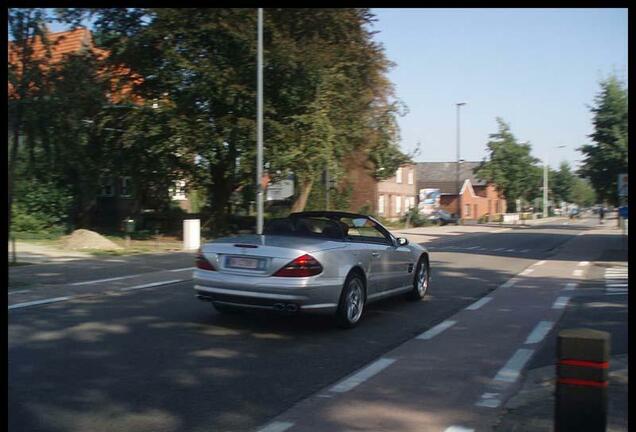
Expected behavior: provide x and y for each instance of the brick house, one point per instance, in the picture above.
(477, 198)
(389, 198)
(397, 194)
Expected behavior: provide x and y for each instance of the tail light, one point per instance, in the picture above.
(302, 266)
(203, 264)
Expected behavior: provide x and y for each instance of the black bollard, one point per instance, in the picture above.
(582, 373)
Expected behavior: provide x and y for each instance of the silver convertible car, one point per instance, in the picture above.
(321, 262)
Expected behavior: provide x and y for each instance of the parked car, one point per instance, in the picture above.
(442, 217)
(317, 262)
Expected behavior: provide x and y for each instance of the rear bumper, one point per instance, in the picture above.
(312, 294)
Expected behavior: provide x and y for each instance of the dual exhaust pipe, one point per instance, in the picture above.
(289, 307)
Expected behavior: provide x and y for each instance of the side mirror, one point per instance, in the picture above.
(401, 241)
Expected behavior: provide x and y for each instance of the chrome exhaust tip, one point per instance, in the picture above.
(291, 307)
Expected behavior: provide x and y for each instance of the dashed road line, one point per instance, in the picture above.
(149, 285)
(570, 286)
(509, 283)
(277, 426)
(103, 280)
(526, 272)
(512, 369)
(458, 429)
(577, 273)
(182, 269)
(434, 331)
(489, 400)
(561, 302)
(39, 302)
(479, 303)
(19, 291)
(538, 263)
(362, 375)
(540, 331)
(614, 285)
(583, 263)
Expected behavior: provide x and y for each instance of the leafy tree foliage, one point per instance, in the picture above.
(607, 156)
(510, 166)
(582, 193)
(561, 183)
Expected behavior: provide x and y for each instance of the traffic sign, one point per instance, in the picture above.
(622, 185)
(623, 212)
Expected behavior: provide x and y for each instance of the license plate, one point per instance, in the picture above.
(245, 263)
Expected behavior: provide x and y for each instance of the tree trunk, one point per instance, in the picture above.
(301, 201)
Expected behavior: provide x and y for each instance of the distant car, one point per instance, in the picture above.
(442, 217)
(320, 262)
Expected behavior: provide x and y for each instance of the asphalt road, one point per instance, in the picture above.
(159, 360)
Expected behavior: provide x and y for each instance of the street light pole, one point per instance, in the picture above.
(545, 184)
(259, 128)
(459, 209)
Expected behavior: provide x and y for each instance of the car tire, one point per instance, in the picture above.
(352, 302)
(421, 280)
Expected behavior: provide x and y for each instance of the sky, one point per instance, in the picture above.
(538, 69)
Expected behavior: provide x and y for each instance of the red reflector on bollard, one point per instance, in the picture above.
(584, 363)
(582, 383)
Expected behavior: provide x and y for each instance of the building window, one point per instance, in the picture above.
(398, 204)
(106, 186)
(125, 190)
(178, 191)
(381, 204)
(467, 210)
(398, 175)
(410, 176)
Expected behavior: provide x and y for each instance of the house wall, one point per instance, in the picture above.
(486, 200)
(396, 196)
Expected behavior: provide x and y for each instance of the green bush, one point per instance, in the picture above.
(40, 208)
(414, 218)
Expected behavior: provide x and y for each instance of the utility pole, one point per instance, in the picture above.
(545, 188)
(259, 128)
(457, 186)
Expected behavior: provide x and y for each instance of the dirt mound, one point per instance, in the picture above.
(86, 239)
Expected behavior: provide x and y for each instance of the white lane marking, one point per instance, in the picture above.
(471, 248)
(509, 283)
(182, 269)
(538, 263)
(616, 289)
(616, 284)
(512, 369)
(458, 429)
(561, 302)
(525, 250)
(540, 331)
(153, 284)
(489, 400)
(527, 271)
(434, 331)
(479, 303)
(616, 293)
(499, 249)
(510, 250)
(583, 263)
(362, 375)
(18, 292)
(277, 426)
(39, 302)
(103, 280)
(577, 273)
(570, 286)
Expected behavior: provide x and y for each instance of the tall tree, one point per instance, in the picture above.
(510, 167)
(582, 193)
(561, 183)
(27, 29)
(607, 156)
